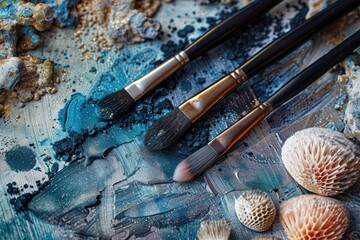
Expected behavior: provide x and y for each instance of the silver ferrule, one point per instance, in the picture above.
(224, 141)
(196, 106)
(141, 86)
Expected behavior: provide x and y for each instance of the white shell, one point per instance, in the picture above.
(322, 160)
(214, 230)
(265, 237)
(255, 210)
(314, 217)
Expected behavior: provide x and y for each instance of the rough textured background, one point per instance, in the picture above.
(55, 147)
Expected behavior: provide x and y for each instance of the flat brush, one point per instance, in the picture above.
(169, 128)
(116, 104)
(199, 161)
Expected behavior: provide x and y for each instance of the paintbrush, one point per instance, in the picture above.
(199, 161)
(116, 104)
(169, 128)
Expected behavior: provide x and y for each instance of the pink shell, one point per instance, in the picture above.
(314, 217)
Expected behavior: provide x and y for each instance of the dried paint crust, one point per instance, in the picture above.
(351, 79)
(21, 21)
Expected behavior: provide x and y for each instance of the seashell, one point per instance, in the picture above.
(314, 217)
(265, 237)
(322, 160)
(214, 230)
(255, 210)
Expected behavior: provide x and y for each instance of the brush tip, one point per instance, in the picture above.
(167, 130)
(114, 105)
(195, 164)
(182, 172)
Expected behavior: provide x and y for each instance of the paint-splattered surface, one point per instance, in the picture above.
(56, 151)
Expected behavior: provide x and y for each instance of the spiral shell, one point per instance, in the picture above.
(322, 160)
(314, 217)
(255, 210)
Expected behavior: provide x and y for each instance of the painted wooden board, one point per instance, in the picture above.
(128, 192)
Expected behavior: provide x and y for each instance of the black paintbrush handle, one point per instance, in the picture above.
(226, 28)
(289, 41)
(315, 71)
(224, 141)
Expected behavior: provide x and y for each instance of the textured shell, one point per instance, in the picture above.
(314, 217)
(214, 230)
(255, 210)
(322, 160)
(265, 237)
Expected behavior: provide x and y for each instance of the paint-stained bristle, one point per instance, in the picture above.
(167, 130)
(115, 105)
(195, 164)
(214, 230)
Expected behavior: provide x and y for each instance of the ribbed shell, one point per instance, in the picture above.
(255, 210)
(322, 160)
(214, 230)
(265, 237)
(314, 217)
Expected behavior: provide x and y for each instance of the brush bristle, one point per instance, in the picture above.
(167, 130)
(195, 164)
(114, 105)
(214, 230)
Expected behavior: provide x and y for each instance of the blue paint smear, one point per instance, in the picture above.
(83, 190)
(105, 84)
(20, 159)
(44, 142)
(78, 115)
(166, 204)
(163, 211)
(90, 135)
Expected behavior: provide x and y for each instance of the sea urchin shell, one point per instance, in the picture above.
(322, 160)
(255, 210)
(314, 217)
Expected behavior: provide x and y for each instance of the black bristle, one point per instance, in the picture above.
(201, 160)
(167, 130)
(115, 105)
(195, 164)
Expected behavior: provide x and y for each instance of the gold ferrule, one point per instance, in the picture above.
(196, 106)
(239, 75)
(143, 85)
(224, 141)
